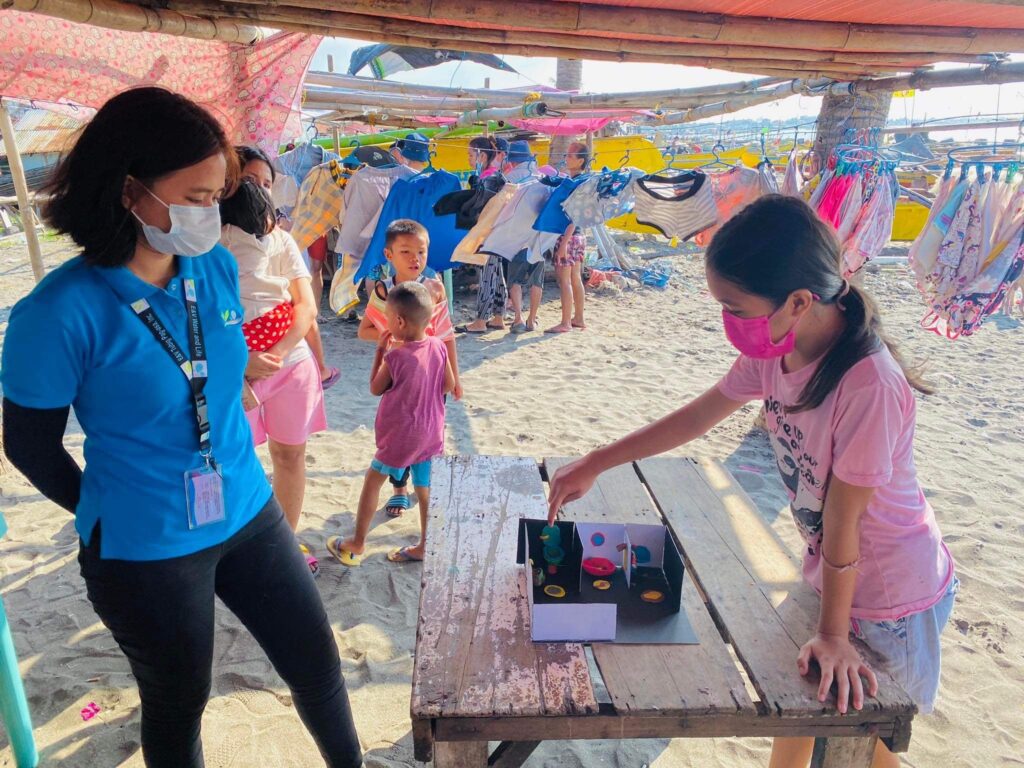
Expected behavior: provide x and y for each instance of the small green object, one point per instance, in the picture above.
(554, 555)
(551, 535)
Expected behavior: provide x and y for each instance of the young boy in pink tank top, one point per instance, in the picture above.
(412, 373)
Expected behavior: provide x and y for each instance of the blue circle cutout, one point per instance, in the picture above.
(597, 539)
(643, 554)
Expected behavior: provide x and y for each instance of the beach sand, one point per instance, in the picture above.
(645, 352)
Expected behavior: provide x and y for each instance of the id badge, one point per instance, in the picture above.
(204, 495)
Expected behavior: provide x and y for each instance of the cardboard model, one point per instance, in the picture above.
(601, 582)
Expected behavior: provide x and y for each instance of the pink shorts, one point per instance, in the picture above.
(291, 405)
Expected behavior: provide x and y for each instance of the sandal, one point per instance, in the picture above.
(494, 327)
(467, 329)
(397, 504)
(330, 381)
(342, 555)
(402, 556)
(311, 561)
(519, 328)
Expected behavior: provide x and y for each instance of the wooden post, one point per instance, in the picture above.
(460, 754)
(335, 133)
(568, 77)
(843, 752)
(28, 220)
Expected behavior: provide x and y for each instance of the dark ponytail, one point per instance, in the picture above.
(488, 146)
(778, 245)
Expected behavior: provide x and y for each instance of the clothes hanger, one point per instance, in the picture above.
(718, 161)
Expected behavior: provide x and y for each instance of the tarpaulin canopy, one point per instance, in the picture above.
(253, 90)
(554, 126)
(384, 60)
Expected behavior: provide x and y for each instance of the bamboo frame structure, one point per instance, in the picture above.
(28, 220)
(996, 74)
(489, 21)
(131, 17)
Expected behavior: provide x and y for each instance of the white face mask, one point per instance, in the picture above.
(195, 229)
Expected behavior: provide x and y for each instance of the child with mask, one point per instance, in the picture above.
(835, 388)
(411, 373)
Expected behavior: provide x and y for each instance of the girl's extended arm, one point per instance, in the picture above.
(367, 330)
(450, 381)
(840, 551)
(692, 420)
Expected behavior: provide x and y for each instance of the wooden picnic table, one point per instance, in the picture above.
(478, 677)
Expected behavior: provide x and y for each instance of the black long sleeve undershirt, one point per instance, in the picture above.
(34, 443)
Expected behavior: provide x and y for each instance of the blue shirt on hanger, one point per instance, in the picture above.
(414, 198)
(553, 219)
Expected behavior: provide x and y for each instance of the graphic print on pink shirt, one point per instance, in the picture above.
(862, 433)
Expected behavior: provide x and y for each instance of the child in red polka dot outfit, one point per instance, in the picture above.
(263, 251)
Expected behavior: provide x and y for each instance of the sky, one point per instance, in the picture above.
(603, 76)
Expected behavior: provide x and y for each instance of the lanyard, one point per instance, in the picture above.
(193, 365)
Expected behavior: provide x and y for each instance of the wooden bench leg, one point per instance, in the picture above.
(843, 752)
(460, 754)
(512, 754)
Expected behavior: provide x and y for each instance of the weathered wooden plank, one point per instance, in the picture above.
(659, 679)
(423, 740)
(843, 753)
(474, 656)
(748, 578)
(460, 754)
(612, 726)
(512, 754)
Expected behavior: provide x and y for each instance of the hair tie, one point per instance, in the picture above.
(842, 295)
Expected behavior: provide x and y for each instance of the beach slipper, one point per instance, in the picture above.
(531, 327)
(331, 380)
(311, 561)
(494, 327)
(467, 329)
(402, 556)
(342, 555)
(519, 328)
(396, 505)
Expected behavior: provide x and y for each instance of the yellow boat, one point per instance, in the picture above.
(639, 152)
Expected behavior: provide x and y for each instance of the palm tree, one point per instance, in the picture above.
(568, 77)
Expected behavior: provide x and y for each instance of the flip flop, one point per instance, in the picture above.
(397, 504)
(342, 555)
(331, 380)
(531, 327)
(467, 329)
(402, 556)
(496, 327)
(311, 561)
(519, 328)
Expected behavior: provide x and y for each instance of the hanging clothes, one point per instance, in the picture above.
(970, 254)
(769, 180)
(514, 230)
(872, 227)
(414, 198)
(468, 249)
(468, 204)
(298, 162)
(678, 206)
(733, 191)
(320, 204)
(364, 199)
(792, 181)
(603, 196)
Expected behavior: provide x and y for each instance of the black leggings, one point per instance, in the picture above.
(161, 614)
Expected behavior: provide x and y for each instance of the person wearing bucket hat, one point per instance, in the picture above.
(520, 162)
(414, 148)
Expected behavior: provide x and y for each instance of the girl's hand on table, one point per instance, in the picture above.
(840, 662)
(570, 483)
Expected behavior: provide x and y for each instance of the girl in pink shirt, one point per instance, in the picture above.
(412, 373)
(840, 413)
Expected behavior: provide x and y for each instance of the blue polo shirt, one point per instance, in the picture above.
(76, 341)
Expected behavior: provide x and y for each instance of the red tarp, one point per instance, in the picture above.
(252, 90)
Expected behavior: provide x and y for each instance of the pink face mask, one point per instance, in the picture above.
(752, 336)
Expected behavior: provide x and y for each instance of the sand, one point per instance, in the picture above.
(646, 351)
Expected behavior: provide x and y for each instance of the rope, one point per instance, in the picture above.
(531, 97)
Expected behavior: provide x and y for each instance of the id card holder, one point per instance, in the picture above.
(204, 496)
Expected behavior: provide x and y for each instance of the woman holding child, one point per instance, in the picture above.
(142, 334)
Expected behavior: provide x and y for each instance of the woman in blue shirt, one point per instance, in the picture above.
(142, 335)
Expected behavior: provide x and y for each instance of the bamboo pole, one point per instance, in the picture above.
(335, 133)
(134, 18)
(740, 101)
(1010, 72)
(668, 97)
(28, 220)
(449, 19)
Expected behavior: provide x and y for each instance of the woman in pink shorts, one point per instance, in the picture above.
(284, 398)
